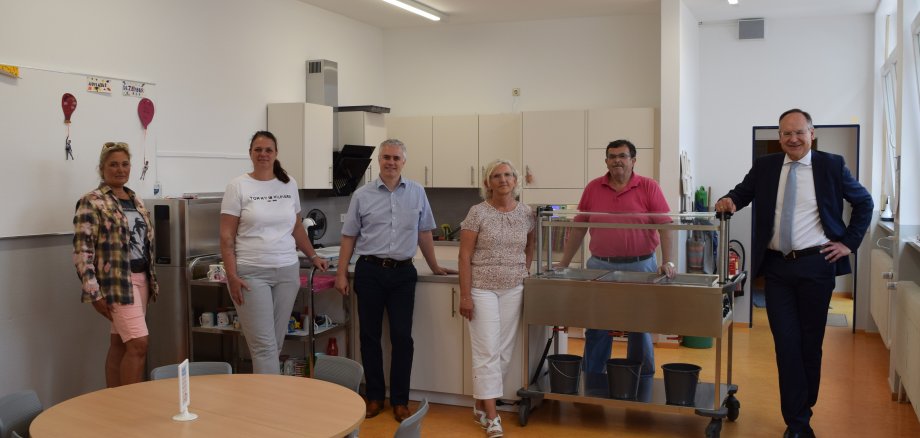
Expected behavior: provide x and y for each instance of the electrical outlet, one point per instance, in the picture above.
(342, 218)
(515, 92)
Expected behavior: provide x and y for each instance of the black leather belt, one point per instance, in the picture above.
(631, 259)
(138, 266)
(799, 253)
(386, 262)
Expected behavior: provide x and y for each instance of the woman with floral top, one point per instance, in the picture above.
(113, 254)
(496, 248)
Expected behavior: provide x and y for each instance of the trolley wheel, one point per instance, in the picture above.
(734, 406)
(524, 411)
(714, 428)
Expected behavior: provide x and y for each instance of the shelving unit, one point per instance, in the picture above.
(208, 296)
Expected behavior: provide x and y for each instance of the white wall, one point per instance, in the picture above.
(216, 63)
(823, 65)
(558, 64)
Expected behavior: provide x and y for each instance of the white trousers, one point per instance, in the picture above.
(496, 316)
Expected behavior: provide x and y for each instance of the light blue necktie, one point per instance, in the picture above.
(786, 216)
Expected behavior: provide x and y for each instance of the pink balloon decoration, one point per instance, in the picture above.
(68, 104)
(145, 111)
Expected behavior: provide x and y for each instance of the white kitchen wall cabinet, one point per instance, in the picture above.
(366, 129)
(437, 331)
(456, 151)
(634, 124)
(416, 133)
(500, 137)
(305, 136)
(554, 149)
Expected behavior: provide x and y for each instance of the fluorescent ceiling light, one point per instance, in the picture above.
(417, 8)
(733, 2)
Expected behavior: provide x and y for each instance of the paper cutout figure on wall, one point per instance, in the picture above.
(68, 105)
(145, 112)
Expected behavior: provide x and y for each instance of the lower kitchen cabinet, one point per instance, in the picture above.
(438, 333)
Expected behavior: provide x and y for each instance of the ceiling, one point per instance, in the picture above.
(380, 14)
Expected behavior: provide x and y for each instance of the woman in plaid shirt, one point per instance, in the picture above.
(112, 252)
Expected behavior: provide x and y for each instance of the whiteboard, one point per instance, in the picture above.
(41, 187)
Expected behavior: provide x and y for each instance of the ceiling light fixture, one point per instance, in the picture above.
(733, 2)
(418, 8)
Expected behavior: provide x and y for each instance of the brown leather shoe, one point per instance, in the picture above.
(401, 412)
(373, 408)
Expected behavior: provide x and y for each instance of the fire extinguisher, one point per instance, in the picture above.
(736, 256)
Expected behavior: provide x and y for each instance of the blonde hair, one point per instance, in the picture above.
(485, 192)
(108, 148)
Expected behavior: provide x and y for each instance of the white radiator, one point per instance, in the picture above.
(879, 294)
(906, 347)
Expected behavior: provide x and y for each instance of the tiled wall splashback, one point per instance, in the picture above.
(449, 206)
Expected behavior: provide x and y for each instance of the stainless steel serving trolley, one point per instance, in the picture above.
(688, 304)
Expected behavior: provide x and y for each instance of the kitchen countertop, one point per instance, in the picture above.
(424, 273)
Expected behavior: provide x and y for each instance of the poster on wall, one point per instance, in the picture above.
(98, 85)
(9, 70)
(132, 89)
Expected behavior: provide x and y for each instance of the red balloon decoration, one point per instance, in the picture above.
(68, 104)
(145, 111)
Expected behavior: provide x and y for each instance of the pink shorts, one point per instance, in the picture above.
(128, 319)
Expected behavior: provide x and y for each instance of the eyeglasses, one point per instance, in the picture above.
(618, 156)
(110, 144)
(790, 134)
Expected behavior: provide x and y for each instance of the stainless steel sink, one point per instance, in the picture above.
(574, 274)
(706, 280)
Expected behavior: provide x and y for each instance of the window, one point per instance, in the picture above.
(889, 94)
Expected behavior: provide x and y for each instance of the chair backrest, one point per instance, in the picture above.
(194, 369)
(412, 427)
(17, 410)
(339, 370)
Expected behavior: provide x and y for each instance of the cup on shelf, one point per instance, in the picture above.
(217, 273)
(223, 319)
(207, 319)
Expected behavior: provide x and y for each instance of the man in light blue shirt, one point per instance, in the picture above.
(386, 221)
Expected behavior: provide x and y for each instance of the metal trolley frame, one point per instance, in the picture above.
(689, 304)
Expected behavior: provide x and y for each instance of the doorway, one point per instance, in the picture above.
(842, 140)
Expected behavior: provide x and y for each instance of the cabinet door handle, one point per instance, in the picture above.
(472, 176)
(330, 176)
(453, 300)
(426, 176)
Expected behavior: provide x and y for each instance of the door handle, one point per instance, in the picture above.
(453, 300)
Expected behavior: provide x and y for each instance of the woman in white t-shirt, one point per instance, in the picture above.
(496, 248)
(259, 233)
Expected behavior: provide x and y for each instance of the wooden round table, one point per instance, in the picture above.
(227, 405)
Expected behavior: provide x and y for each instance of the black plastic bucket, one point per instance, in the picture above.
(623, 378)
(680, 380)
(564, 372)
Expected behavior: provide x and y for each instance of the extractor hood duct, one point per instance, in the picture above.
(349, 162)
(323, 82)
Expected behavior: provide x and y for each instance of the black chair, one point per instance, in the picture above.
(194, 369)
(17, 410)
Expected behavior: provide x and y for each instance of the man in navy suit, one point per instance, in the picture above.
(800, 249)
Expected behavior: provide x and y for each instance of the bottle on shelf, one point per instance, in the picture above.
(332, 348)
